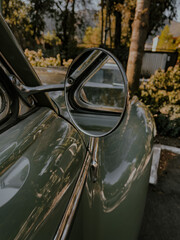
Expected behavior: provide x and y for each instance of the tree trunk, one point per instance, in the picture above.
(138, 38)
(106, 21)
(65, 26)
(102, 21)
(110, 33)
(118, 21)
(117, 39)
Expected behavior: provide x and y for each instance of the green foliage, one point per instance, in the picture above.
(51, 39)
(166, 41)
(128, 13)
(37, 59)
(16, 15)
(92, 37)
(177, 43)
(67, 21)
(160, 10)
(162, 95)
(38, 9)
(26, 19)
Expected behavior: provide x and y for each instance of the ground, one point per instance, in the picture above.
(162, 212)
(175, 142)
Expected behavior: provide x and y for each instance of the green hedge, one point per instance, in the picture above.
(162, 95)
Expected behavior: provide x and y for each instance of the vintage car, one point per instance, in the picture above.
(75, 158)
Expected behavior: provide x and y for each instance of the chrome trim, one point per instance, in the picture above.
(73, 203)
(93, 56)
(4, 103)
(26, 91)
(94, 162)
(31, 98)
(85, 104)
(126, 102)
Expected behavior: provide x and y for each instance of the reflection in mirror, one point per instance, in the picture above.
(96, 90)
(105, 90)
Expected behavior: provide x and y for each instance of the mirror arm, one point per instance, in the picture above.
(25, 91)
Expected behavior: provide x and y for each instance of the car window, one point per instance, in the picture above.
(108, 74)
(105, 89)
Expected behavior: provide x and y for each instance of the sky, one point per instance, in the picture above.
(95, 3)
(178, 10)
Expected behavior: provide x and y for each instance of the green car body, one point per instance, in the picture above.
(59, 183)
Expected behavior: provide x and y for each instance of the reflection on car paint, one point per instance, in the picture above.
(13, 179)
(123, 174)
(21, 138)
(55, 161)
(56, 158)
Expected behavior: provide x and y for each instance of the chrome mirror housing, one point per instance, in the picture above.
(96, 92)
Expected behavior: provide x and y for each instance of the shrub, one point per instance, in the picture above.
(162, 95)
(51, 39)
(37, 59)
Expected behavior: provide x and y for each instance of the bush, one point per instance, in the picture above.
(37, 59)
(162, 95)
(50, 40)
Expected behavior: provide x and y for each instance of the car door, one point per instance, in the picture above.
(40, 159)
(41, 153)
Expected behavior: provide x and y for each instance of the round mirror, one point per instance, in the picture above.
(96, 92)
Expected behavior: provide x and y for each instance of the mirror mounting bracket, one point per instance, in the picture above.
(25, 91)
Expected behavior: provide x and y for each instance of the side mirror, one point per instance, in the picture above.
(96, 92)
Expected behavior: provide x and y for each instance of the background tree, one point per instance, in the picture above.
(92, 37)
(160, 11)
(67, 20)
(111, 19)
(27, 19)
(139, 35)
(16, 15)
(140, 31)
(118, 12)
(124, 12)
(37, 11)
(178, 48)
(128, 13)
(166, 40)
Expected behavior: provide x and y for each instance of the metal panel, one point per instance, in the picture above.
(40, 161)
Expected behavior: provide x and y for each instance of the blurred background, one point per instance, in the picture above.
(53, 32)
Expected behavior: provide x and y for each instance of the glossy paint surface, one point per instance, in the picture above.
(112, 207)
(40, 160)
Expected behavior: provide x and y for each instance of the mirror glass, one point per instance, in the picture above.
(96, 92)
